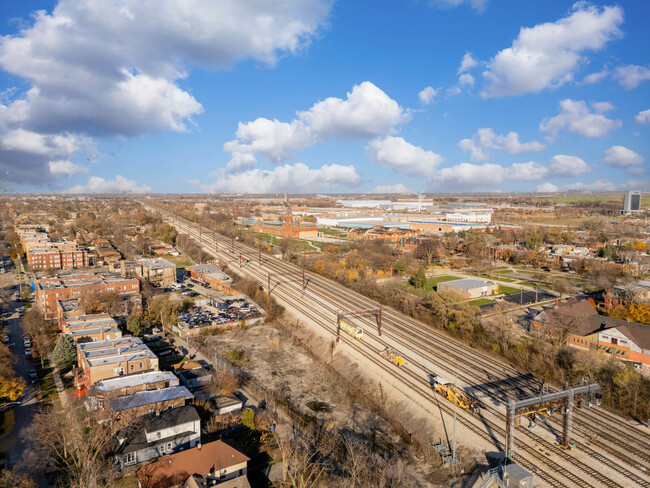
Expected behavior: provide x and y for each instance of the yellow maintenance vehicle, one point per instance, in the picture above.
(393, 356)
(453, 393)
(356, 332)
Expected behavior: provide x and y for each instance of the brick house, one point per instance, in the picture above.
(586, 329)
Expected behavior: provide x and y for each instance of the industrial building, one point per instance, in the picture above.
(294, 229)
(469, 288)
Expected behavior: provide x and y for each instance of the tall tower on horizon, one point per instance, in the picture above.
(631, 202)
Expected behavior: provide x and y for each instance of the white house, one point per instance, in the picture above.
(153, 436)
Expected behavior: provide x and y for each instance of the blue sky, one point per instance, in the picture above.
(323, 96)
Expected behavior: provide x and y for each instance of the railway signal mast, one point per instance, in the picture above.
(356, 313)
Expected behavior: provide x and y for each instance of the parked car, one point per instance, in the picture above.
(33, 377)
(27, 343)
(28, 352)
(5, 339)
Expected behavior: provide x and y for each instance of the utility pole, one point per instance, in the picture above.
(379, 321)
(453, 451)
(269, 284)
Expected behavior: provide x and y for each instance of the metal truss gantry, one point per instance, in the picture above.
(560, 400)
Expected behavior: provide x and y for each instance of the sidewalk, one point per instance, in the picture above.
(59, 385)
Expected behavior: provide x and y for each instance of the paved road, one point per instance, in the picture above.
(17, 444)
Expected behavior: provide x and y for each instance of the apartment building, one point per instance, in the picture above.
(108, 359)
(158, 272)
(50, 290)
(41, 259)
(96, 327)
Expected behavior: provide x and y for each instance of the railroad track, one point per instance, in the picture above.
(523, 384)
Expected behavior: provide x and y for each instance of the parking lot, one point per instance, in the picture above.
(219, 312)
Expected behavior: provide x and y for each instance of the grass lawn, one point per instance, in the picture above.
(507, 290)
(180, 261)
(46, 381)
(501, 278)
(432, 283)
(481, 301)
(332, 232)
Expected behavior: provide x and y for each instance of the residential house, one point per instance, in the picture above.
(153, 436)
(581, 325)
(213, 464)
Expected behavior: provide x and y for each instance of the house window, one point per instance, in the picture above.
(159, 434)
(222, 474)
(614, 340)
(129, 458)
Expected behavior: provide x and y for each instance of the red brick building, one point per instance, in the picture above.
(294, 229)
(50, 290)
(53, 258)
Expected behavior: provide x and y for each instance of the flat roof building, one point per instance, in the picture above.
(158, 271)
(50, 290)
(468, 288)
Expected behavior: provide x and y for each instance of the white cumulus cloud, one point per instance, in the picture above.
(403, 157)
(622, 157)
(486, 139)
(296, 178)
(547, 55)
(397, 188)
(468, 176)
(477, 5)
(119, 184)
(631, 76)
(530, 171)
(643, 117)
(575, 116)
(596, 77)
(427, 94)
(563, 165)
(467, 63)
(598, 185)
(67, 168)
(365, 113)
(113, 68)
(546, 188)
